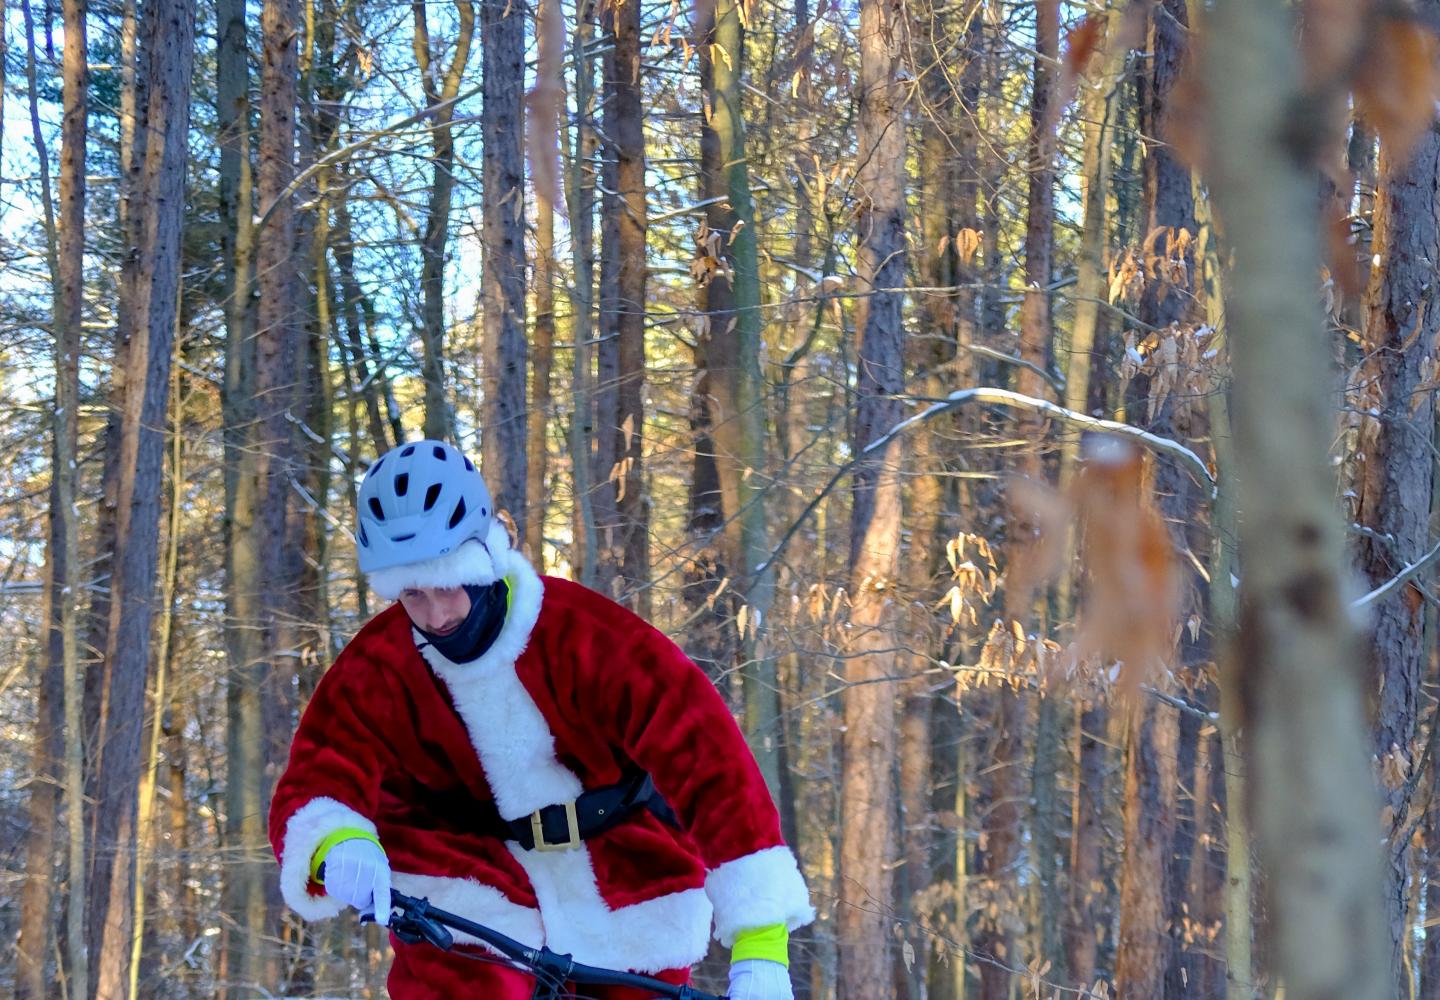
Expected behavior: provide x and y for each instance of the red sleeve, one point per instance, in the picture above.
(332, 781)
(666, 715)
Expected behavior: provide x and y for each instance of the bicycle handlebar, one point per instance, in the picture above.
(414, 920)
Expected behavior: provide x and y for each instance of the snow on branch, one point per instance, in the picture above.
(1398, 580)
(997, 397)
(1004, 397)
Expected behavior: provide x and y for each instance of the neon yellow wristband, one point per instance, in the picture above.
(770, 943)
(338, 837)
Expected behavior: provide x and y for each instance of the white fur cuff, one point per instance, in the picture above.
(307, 827)
(758, 890)
(470, 899)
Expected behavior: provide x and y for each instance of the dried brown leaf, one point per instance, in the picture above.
(1397, 83)
(1132, 593)
(1035, 549)
(967, 244)
(1332, 33)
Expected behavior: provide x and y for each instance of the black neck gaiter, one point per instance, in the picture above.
(477, 633)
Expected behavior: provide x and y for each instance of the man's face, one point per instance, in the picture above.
(437, 610)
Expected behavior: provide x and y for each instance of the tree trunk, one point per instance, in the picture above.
(158, 702)
(1144, 947)
(1037, 347)
(625, 124)
(1303, 697)
(107, 537)
(437, 215)
(58, 707)
(1157, 865)
(622, 511)
(1234, 905)
(939, 199)
(169, 41)
(581, 194)
(868, 836)
(241, 892)
(737, 420)
(1101, 106)
(1087, 831)
(995, 943)
(261, 572)
(1395, 452)
(504, 282)
(546, 100)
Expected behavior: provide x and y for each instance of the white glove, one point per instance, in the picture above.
(357, 873)
(759, 979)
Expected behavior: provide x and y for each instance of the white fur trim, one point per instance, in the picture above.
(306, 828)
(472, 562)
(510, 736)
(468, 898)
(667, 932)
(758, 890)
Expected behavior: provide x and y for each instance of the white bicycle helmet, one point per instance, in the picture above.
(419, 503)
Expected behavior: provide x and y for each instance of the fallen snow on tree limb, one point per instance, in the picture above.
(1004, 397)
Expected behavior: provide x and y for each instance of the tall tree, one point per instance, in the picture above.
(545, 102)
(1161, 745)
(947, 201)
(867, 793)
(1037, 335)
(262, 571)
(620, 483)
(440, 90)
(580, 194)
(503, 287)
(168, 32)
(60, 686)
(732, 358)
(1396, 452)
(240, 892)
(1101, 102)
(107, 527)
(1310, 787)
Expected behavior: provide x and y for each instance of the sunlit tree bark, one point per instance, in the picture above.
(168, 33)
(867, 796)
(504, 282)
(1396, 466)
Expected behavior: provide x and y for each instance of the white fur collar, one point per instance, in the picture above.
(507, 730)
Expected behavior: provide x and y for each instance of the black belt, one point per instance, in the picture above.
(562, 827)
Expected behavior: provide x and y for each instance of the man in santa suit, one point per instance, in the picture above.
(528, 754)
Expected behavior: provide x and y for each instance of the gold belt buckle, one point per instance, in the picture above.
(537, 827)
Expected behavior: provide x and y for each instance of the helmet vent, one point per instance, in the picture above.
(459, 514)
(408, 451)
(364, 538)
(376, 467)
(431, 495)
(376, 509)
(469, 465)
(402, 484)
(440, 452)
(403, 538)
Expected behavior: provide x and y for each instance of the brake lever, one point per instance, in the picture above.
(412, 924)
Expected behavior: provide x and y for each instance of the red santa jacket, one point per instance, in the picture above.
(574, 689)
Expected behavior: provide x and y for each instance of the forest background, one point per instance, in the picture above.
(1023, 411)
